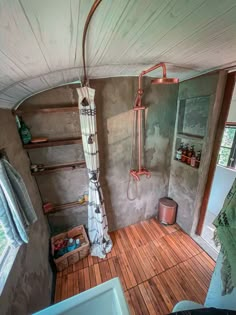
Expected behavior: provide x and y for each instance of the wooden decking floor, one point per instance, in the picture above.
(157, 265)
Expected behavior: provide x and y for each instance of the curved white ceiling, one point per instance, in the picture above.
(40, 40)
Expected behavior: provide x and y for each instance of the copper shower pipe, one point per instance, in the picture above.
(140, 90)
(159, 65)
(91, 12)
(137, 111)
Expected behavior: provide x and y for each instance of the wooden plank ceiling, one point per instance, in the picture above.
(158, 266)
(40, 41)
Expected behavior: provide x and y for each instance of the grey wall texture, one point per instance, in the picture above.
(28, 286)
(186, 184)
(60, 187)
(115, 99)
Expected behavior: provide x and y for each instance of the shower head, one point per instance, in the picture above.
(165, 80)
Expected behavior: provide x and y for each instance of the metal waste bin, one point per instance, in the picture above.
(167, 210)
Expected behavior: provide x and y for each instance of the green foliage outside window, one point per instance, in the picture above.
(228, 137)
(226, 153)
(224, 156)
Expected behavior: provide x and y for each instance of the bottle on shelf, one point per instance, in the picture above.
(24, 132)
(184, 154)
(198, 159)
(193, 158)
(190, 153)
(179, 152)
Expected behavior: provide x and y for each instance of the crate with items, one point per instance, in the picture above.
(69, 247)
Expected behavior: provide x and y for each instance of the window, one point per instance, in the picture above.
(227, 153)
(3, 242)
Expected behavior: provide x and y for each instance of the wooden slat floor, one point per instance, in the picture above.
(157, 265)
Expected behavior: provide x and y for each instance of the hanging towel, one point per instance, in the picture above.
(225, 234)
(16, 209)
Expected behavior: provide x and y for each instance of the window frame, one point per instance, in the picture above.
(232, 155)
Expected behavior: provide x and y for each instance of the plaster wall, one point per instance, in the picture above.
(29, 283)
(187, 184)
(60, 187)
(114, 99)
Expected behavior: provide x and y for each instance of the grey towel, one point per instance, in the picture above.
(16, 209)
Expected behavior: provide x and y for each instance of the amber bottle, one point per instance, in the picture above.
(184, 154)
(193, 158)
(198, 159)
(179, 152)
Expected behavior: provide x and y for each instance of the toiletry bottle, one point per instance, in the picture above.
(179, 152)
(71, 245)
(193, 158)
(77, 242)
(24, 132)
(186, 154)
(198, 159)
(183, 156)
(190, 153)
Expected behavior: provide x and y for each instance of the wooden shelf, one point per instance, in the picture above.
(190, 137)
(186, 165)
(66, 206)
(60, 167)
(53, 143)
(46, 110)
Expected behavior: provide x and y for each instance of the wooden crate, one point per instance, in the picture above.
(75, 255)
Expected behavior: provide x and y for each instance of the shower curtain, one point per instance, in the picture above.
(101, 243)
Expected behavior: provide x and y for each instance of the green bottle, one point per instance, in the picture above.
(24, 132)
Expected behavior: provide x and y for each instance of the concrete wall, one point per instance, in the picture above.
(187, 184)
(114, 100)
(222, 182)
(29, 283)
(66, 186)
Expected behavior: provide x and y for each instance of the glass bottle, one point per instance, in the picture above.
(198, 159)
(24, 132)
(179, 152)
(184, 152)
(190, 153)
(193, 158)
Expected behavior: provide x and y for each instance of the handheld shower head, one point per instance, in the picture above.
(165, 80)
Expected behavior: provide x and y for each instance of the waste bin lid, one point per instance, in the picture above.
(168, 202)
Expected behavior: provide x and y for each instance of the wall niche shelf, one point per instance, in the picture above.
(48, 169)
(187, 136)
(66, 206)
(52, 160)
(186, 165)
(191, 128)
(53, 143)
(45, 110)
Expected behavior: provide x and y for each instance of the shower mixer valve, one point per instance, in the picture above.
(136, 174)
